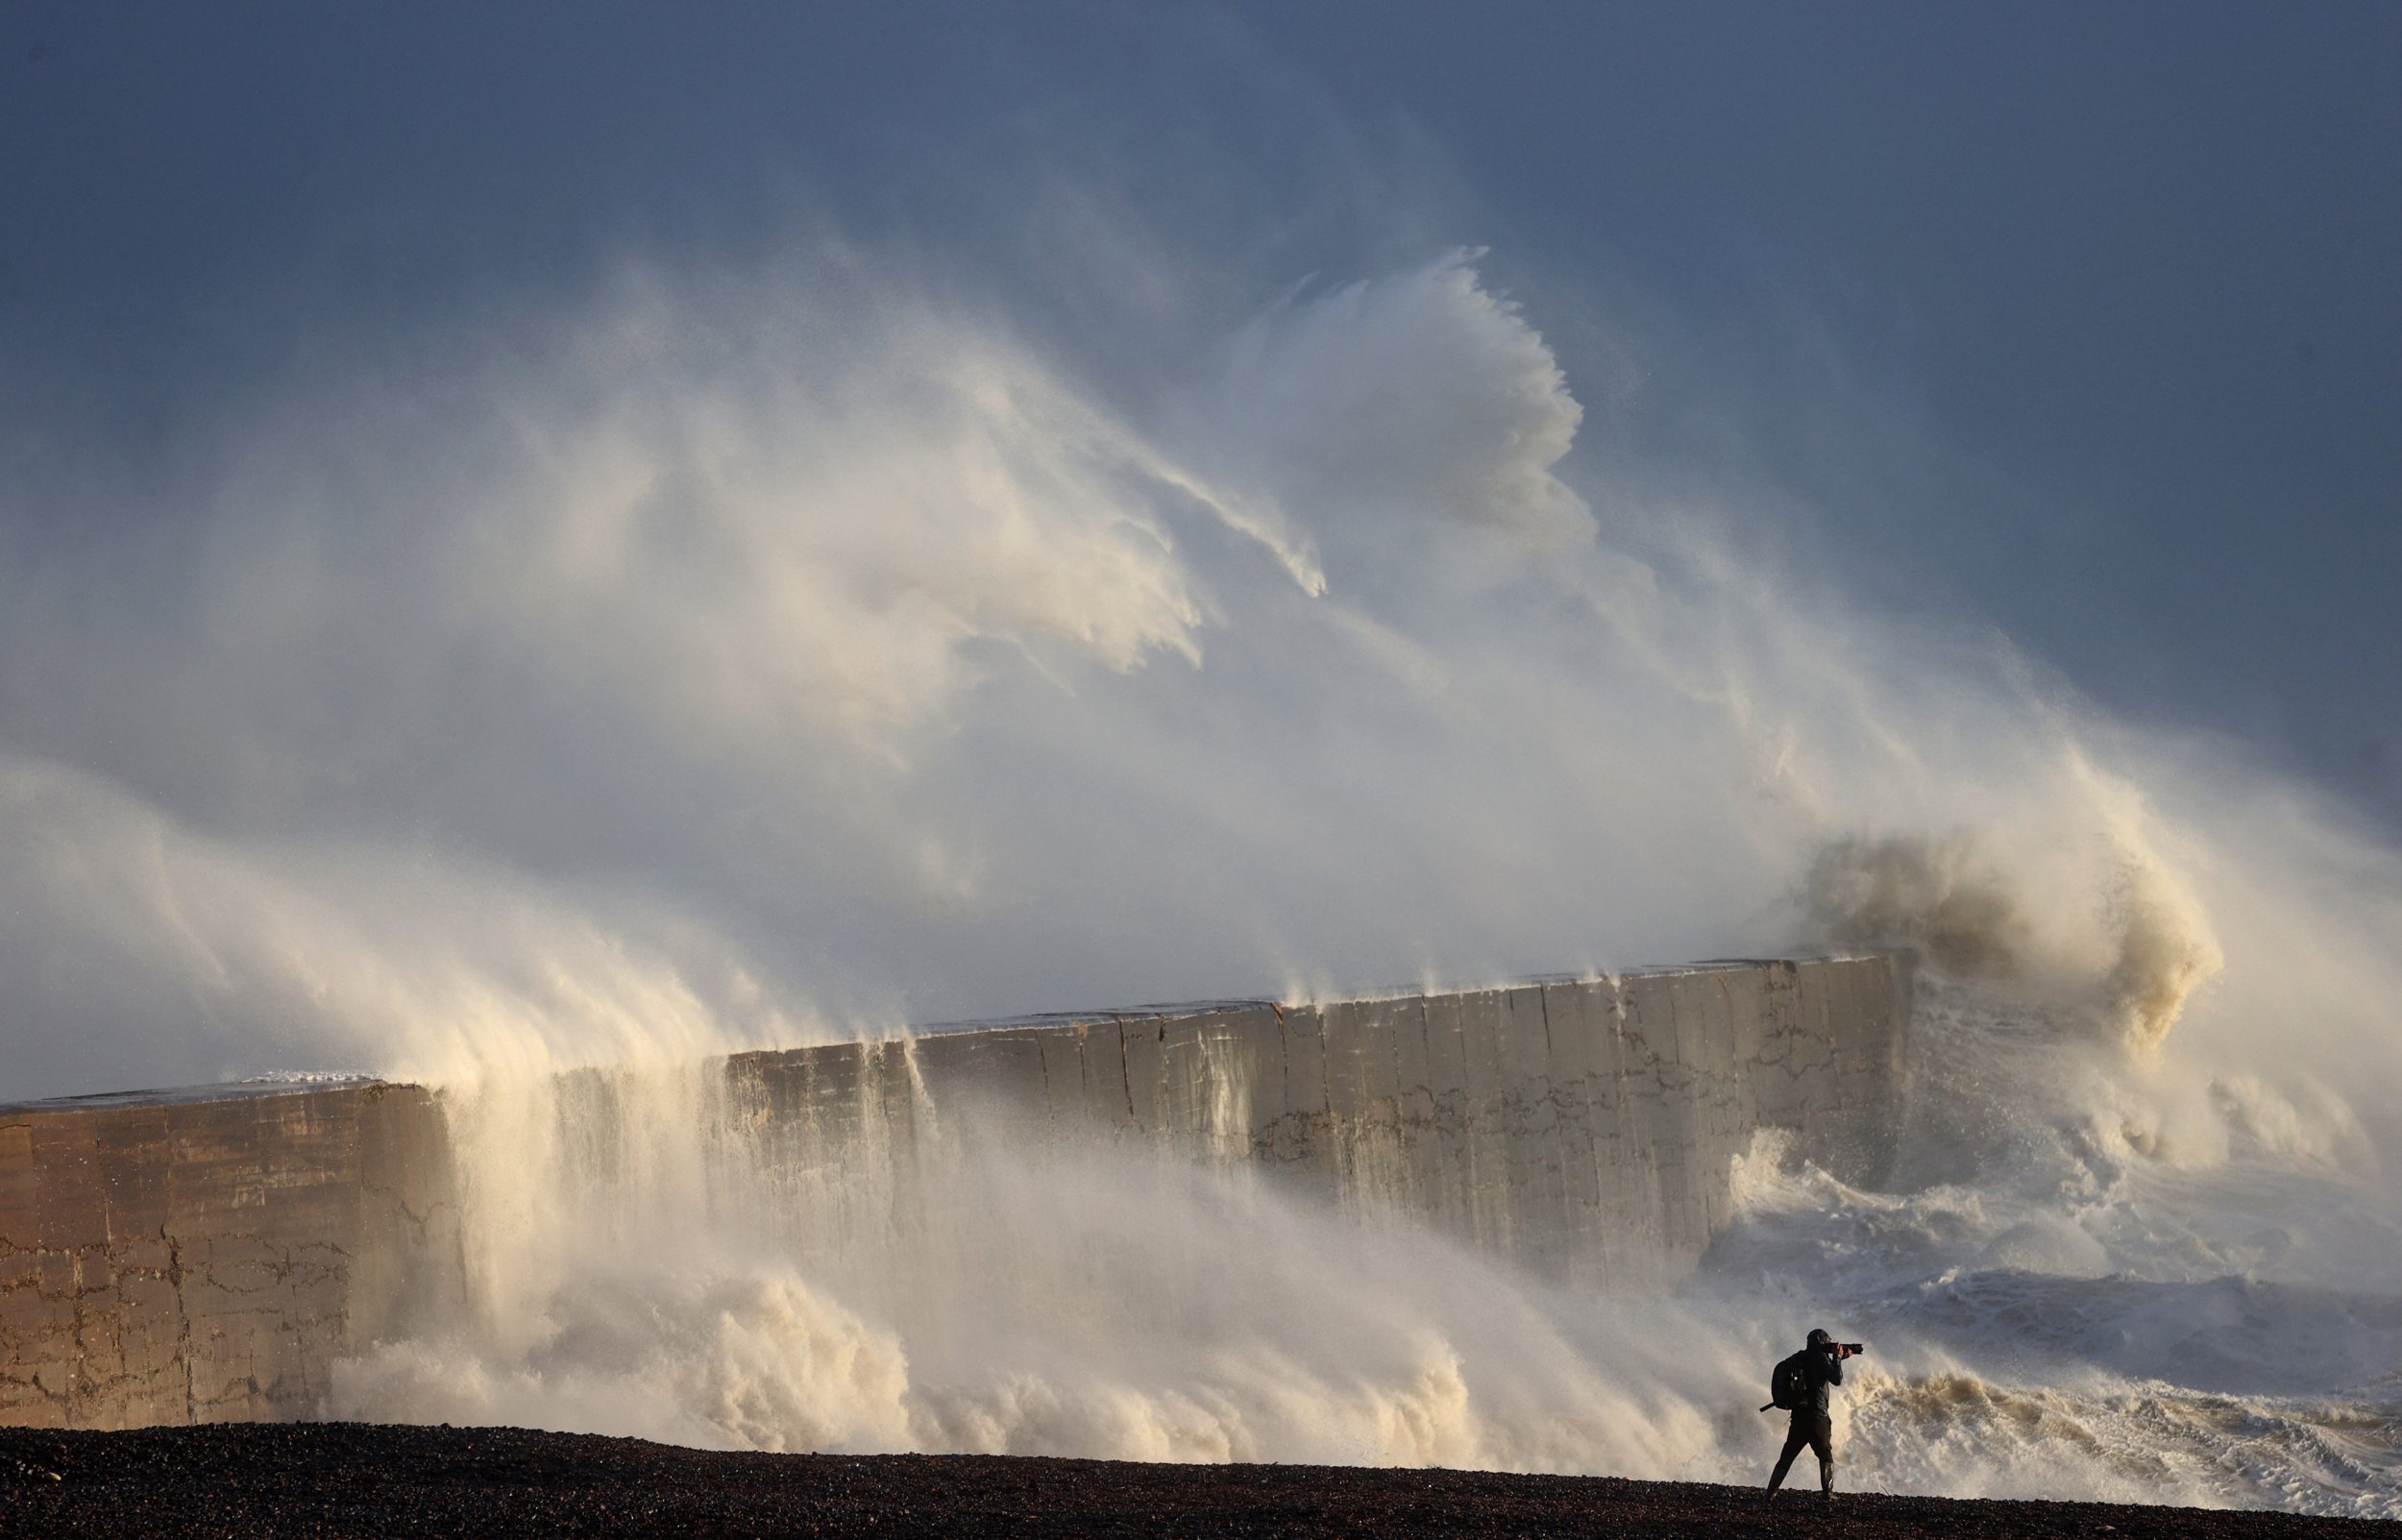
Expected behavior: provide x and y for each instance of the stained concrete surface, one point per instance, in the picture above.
(204, 1258)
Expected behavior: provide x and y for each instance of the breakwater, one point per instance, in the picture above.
(210, 1254)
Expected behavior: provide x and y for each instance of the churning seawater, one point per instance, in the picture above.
(2057, 1304)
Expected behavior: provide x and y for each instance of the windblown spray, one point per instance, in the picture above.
(790, 655)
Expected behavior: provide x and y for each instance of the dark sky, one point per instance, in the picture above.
(2140, 265)
(2085, 319)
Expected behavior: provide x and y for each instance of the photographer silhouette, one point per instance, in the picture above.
(1801, 1384)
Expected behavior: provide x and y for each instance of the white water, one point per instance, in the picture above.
(2053, 1310)
(750, 659)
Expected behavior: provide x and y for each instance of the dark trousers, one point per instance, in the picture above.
(1816, 1431)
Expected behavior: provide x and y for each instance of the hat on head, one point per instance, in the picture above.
(1820, 1336)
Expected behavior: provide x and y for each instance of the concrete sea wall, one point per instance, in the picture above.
(204, 1256)
(208, 1255)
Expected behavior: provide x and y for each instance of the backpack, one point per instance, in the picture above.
(1788, 1382)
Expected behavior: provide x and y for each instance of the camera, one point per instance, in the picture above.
(1849, 1349)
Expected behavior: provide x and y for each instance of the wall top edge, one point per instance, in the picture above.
(1049, 1020)
(1186, 1009)
(232, 1090)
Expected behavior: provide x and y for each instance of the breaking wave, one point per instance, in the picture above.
(1952, 908)
(766, 657)
(2059, 1303)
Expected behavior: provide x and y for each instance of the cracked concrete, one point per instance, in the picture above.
(208, 1256)
(204, 1257)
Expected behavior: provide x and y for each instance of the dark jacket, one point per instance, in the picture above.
(1821, 1371)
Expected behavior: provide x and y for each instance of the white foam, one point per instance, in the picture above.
(730, 657)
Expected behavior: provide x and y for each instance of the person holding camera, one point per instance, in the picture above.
(1801, 1384)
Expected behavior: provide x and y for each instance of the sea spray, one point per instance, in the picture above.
(970, 1283)
(963, 1279)
(734, 659)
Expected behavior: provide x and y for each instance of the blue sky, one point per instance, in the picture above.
(2087, 320)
